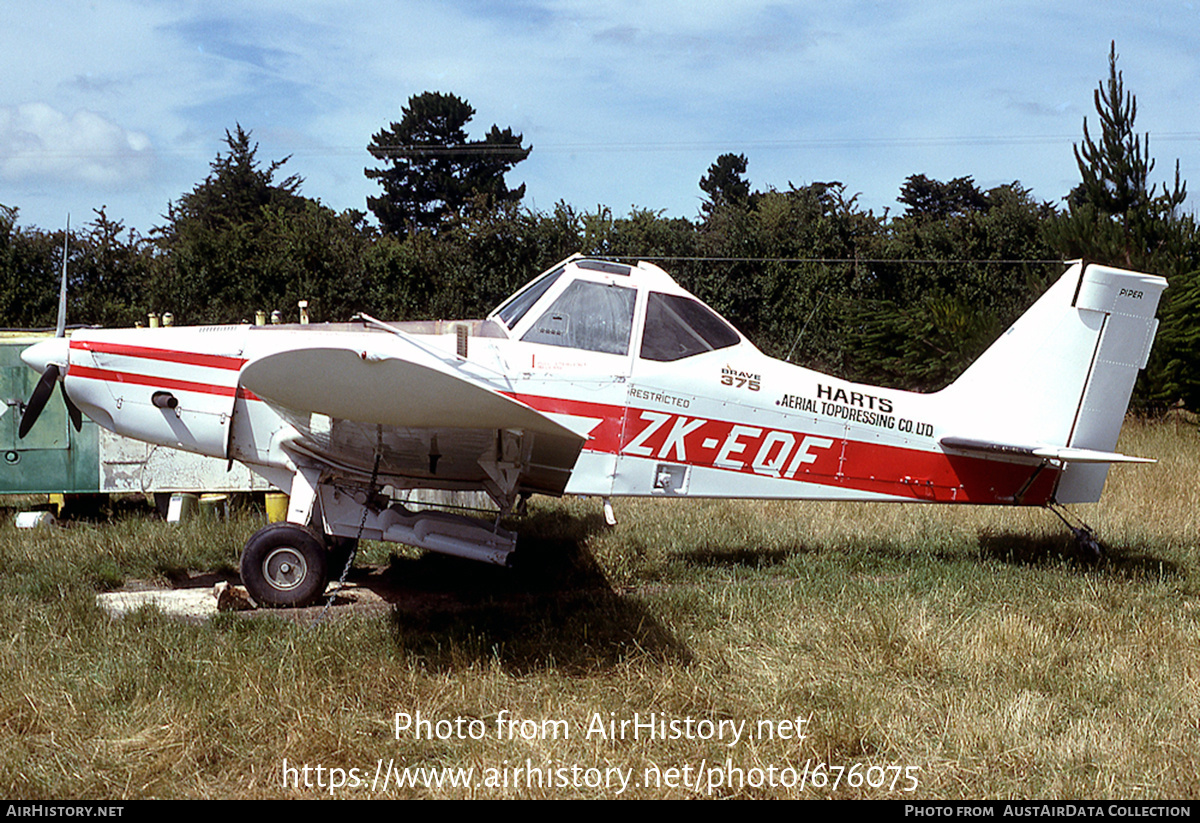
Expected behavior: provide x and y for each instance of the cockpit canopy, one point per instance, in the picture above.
(595, 305)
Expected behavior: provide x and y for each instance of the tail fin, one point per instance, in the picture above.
(1062, 375)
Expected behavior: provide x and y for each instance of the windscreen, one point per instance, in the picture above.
(514, 309)
(591, 316)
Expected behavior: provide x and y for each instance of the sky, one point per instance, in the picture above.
(124, 104)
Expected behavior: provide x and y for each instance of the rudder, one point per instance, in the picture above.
(1128, 302)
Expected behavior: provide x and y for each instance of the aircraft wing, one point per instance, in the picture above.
(433, 422)
(1036, 453)
(379, 387)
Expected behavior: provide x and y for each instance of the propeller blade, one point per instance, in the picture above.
(45, 386)
(72, 410)
(37, 401)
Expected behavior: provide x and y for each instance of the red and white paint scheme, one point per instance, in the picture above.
(600, 378)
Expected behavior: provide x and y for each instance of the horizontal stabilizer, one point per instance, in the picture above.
(1022, 453)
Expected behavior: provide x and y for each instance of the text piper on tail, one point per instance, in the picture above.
(601, 378)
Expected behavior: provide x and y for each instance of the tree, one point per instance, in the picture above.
(959, 226)
(109, 267)
(962, 264)
(30, 266)
(725, 185)
(432, 171)
(235, 189)
(1115, 215)
(222, 238)
(933, 199)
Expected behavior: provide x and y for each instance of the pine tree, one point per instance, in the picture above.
(1118, 216)
(236, 189)
(725, 184)
(216, 241)
(433, 171)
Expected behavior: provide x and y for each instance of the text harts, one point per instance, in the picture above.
(859, 399)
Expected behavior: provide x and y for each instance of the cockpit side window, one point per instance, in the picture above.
(591, 316)
(514, 309)
(679, 327)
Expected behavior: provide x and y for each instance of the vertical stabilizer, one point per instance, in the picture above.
(1062, 375)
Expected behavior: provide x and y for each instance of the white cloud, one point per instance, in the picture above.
(39, 142)
(624, 102)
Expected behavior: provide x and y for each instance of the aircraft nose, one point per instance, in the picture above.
(40, 355)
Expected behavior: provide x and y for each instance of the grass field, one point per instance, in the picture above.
(781, 649)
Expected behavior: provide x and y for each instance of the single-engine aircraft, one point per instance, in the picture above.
(606, 379)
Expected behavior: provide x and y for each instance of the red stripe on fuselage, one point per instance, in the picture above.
(605, 437)
(186, 358)
(212, 361)
(915, 474)
(138, 379)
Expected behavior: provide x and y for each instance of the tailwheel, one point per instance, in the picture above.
(285, 564)
(1087, 542)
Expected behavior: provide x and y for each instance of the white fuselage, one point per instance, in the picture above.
(604, 379)
(727, 423)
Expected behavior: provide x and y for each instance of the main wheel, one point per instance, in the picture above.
(284, 564)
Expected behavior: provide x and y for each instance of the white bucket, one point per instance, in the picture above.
(35, 520)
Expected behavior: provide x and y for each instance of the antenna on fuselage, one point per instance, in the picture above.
(816, 306)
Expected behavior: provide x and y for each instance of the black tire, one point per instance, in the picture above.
(285, 565)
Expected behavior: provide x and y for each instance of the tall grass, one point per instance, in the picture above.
(971, 644)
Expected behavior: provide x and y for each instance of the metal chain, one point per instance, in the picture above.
(362, 525)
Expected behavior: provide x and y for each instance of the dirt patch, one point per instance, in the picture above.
(432, 584)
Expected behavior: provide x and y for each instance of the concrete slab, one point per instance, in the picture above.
(193, 603)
